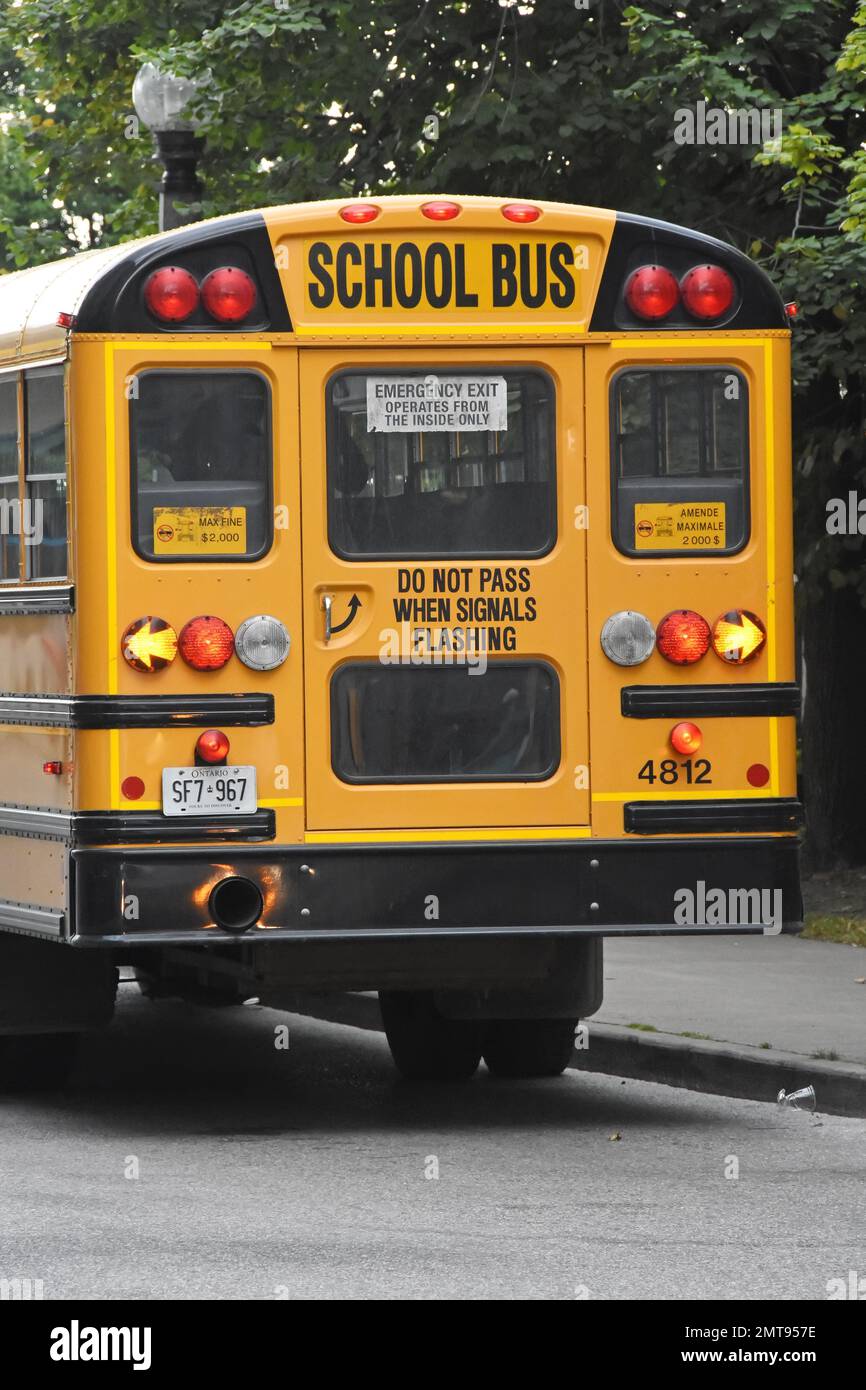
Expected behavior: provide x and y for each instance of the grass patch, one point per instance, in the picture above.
(825, 1054)
(643, 1027)
(766, 1046)
(848, 931)
(704, 1037)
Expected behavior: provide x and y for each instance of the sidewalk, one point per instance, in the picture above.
(799, 996)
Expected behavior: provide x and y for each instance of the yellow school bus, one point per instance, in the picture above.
(395, 595)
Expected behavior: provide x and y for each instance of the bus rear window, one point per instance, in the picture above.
(445, 724)
(680, 460)
(201, 465)
(430, 463)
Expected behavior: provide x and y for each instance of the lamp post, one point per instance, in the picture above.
(160, 100)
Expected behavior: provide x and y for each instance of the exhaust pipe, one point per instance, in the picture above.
(235, 904)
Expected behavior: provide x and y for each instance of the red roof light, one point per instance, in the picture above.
(171, 294)
(228, 294)
(651, 292)
(707, 291)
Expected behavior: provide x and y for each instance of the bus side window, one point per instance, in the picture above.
(9, 500)
(679, 460)
(44, 522)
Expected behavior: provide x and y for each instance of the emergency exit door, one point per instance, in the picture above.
(444, 578)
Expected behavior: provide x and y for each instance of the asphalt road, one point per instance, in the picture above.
(300, 1173)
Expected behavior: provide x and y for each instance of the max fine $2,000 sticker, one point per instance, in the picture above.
(679, 526)
(199, 530)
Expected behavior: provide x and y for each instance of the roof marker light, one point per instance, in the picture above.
(360, 212)
(520, 212)
(441, 210)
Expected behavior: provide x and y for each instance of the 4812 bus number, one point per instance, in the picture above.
(669, 771)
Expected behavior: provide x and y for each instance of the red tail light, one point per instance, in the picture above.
(521, 212)
(359, 212)
(651, 292)
(707, 291)
(686, 738)
(171, 294)
(683, 637)
(206, 643)
(738, 636)
(228, 294)
(212, 746)
(440, 210)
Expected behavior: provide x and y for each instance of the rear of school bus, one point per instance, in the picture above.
(429, 616)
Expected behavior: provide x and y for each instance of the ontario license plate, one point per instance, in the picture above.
(197, 791)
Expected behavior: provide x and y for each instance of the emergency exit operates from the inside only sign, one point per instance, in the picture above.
(411, 404)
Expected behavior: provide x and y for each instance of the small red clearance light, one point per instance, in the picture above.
(132, 788)
(171, 294)
(149, 644)
(707, 291)
(686, 738)
(206, 643)
(52, 768)
(520, 212)
(738, 636)
(228, 294)
(440, 210)
(65, 320)
(212, 746)
(758, 775)
(792, 309)
(651, 292)
(359, 212)
(683, 637)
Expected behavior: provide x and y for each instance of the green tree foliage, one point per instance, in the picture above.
(566, 99)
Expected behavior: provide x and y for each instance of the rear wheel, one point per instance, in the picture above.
(424, 1044)
(523, 1047)
(37, 1061)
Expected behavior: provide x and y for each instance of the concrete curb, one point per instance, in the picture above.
(715, 1068)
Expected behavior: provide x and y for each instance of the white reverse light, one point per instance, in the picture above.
(262, 642)
(628, 638)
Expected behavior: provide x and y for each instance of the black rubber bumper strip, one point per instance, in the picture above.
(690, 701)
(745, 816)
(135, 827)
(137, 711)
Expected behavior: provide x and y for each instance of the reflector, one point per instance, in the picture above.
(440, 210)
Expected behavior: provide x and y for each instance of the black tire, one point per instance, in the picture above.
(424, 1044)
(524, 1047)
(36, 1062)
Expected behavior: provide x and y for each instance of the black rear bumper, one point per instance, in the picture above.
(142, 897)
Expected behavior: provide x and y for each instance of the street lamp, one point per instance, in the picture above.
(160, 100)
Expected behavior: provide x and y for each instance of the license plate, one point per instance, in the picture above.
(208, 791)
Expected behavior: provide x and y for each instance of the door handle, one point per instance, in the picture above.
(327, 604)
